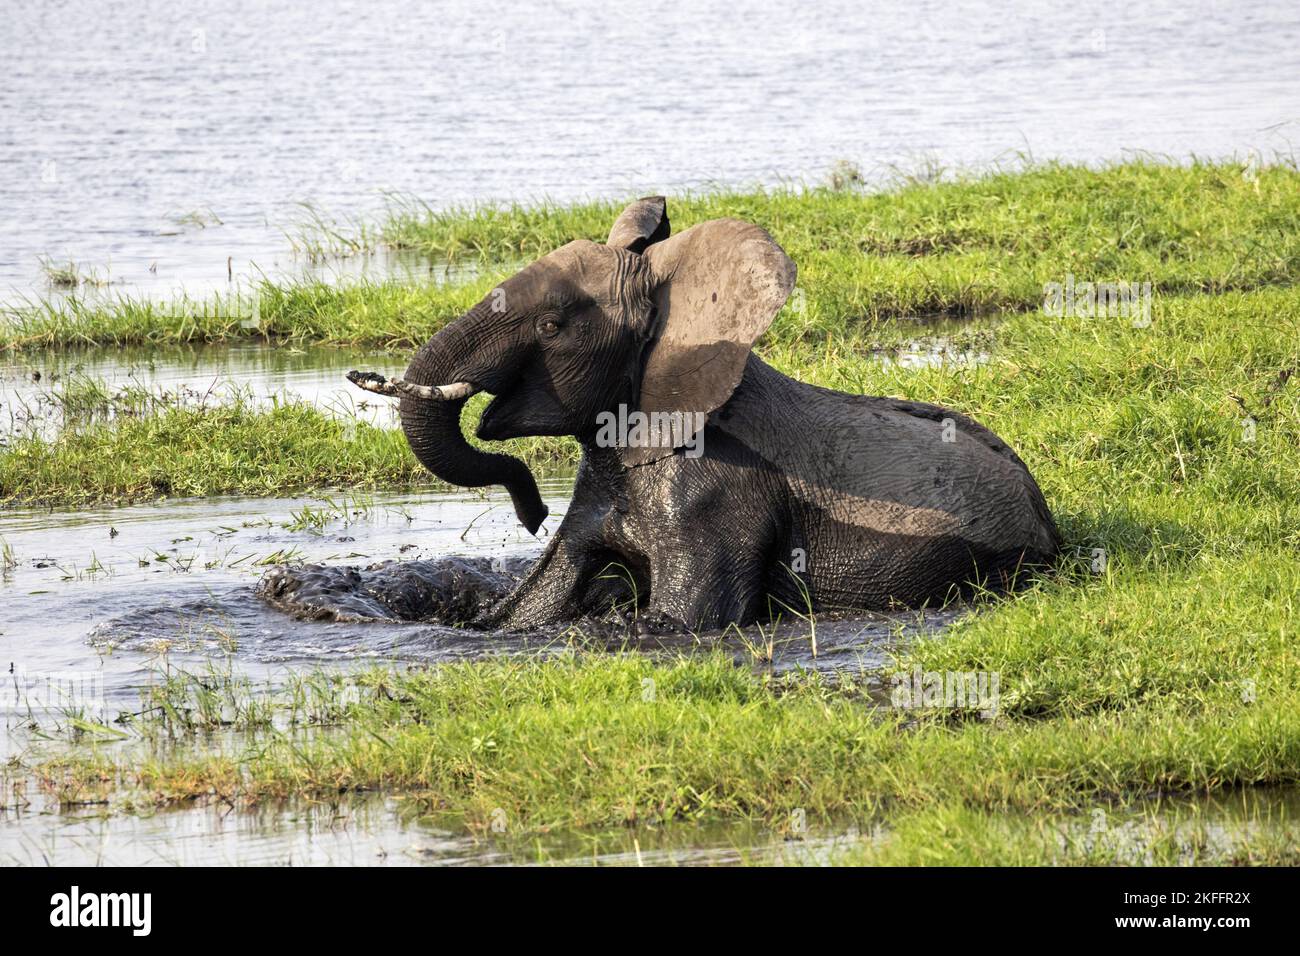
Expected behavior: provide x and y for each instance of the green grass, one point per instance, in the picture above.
(977, 244)
(576, 742)
(390, 314)
(185, 452)
(237, 447)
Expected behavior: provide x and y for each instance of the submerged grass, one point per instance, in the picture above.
(977, 244)
(1165, 834)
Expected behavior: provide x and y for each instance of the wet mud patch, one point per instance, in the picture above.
(451, 590)
(445, 594)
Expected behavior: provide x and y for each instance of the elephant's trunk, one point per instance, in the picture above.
(432, 426)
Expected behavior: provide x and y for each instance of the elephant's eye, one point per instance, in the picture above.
(549, 325)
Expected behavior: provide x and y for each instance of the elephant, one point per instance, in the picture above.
(712, 488)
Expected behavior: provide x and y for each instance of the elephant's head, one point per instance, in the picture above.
(654, 323)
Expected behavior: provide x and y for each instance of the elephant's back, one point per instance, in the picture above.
(906, 480)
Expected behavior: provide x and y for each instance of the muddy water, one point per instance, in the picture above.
(119, 592)
(104, 599)
(114, 589)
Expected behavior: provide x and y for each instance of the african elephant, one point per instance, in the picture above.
(737, 491)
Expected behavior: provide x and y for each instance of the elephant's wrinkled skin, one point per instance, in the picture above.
(801, 495)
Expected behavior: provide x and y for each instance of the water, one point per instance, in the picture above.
(113, 590)
(374, 830)
(158, 144)
(117, 593)
(104, 600)
(364, 830)
(30, 383)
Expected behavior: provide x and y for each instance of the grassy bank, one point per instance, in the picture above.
(977, 244)
(578, 742)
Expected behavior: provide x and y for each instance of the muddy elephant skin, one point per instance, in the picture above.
(713, 489)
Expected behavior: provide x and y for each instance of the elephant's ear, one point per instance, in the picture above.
(716, 288)
(641, 224)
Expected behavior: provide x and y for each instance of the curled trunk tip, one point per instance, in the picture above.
(397, 388)
(433, 429)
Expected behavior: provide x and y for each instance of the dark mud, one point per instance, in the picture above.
(452, 590)
(448, 593)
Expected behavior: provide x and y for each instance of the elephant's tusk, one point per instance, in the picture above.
(374, 382)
